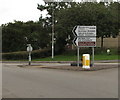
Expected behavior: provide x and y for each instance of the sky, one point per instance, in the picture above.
(20, 10)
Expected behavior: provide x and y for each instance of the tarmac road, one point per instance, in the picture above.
(48, 83)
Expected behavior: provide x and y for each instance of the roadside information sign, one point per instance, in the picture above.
(85, 41)
(85, 36)
(84, 30)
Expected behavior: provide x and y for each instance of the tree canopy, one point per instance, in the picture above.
(66, 15)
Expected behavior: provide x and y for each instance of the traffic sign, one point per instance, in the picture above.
(29, 49)
(84, 30)
(85, 41)
(85, 36)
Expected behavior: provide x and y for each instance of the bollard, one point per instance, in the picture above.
(86, 61)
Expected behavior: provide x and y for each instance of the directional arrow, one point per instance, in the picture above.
(74, 31)
(75, 41)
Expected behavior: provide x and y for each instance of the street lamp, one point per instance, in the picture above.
(53, 31)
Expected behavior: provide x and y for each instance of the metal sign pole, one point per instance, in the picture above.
(78, 58)
(29, 49)
(29, 58)
(93, 56)
(53, 32)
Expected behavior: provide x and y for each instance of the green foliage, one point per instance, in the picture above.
(67, 15)
(23, 55)
(16, 36)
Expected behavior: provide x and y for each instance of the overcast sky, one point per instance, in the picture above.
(20, 10)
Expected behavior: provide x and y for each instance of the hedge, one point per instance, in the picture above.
(23, 55)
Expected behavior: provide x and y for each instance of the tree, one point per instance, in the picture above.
(13, 37)
(56, 7)
(17, 35)
(97, 14)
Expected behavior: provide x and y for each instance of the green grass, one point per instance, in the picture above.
(74, 58)
(71, 56)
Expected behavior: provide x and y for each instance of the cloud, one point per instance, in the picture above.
(22, 10)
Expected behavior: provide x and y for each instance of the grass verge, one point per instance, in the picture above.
(74, 58)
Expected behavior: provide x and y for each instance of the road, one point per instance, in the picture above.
(50, 83)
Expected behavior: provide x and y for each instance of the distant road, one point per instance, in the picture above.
(48, 83)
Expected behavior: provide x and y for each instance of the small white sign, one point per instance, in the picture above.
(86, 39)
(29, 49)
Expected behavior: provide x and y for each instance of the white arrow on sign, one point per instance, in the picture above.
(84, 30)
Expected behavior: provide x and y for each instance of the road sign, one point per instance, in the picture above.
(84, 30)
(85, 36)
(85, 41)
(29, 48)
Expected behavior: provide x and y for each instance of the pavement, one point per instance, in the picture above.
(67, 66)
(33, 82)
(98, 65)
(99, 61)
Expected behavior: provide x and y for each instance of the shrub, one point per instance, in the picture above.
(23, 55)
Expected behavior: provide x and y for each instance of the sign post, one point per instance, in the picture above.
(29, 49)
(85, 36)
(78, 54)
(93, 56)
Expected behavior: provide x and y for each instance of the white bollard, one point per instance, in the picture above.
(86, 61)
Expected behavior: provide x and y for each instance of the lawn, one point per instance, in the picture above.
(74, 58)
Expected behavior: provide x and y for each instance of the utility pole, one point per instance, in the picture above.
(52, 31)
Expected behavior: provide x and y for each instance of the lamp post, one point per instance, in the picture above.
(53, 31)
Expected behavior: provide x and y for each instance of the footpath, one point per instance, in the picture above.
(99, 61)
(98, 65)
(66, 65)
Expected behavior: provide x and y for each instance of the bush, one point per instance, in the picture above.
(23, 55)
